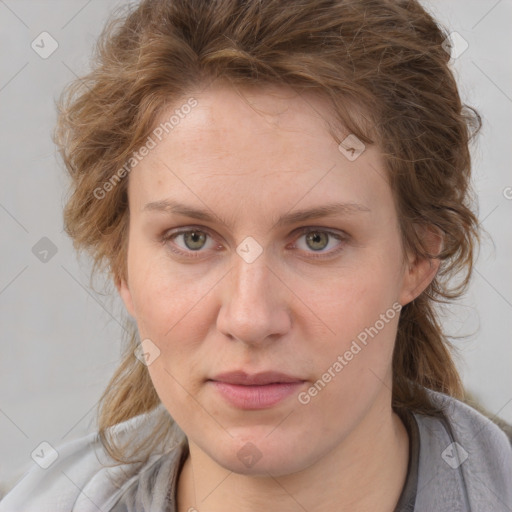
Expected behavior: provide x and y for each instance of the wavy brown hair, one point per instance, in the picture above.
(385, 59)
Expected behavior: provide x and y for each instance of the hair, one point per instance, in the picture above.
(385, 67)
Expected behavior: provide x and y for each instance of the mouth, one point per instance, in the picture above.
(255, 391)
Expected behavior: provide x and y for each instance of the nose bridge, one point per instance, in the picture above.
(252, 275)
(251, 284)
(252, 308)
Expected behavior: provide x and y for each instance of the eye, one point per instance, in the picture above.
(320, 241)
(187, 241)
(193, 240)
(317, 242)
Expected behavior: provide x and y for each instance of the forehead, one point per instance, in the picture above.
(256, 143)
(233, 124)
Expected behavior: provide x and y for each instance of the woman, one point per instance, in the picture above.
(280, 192)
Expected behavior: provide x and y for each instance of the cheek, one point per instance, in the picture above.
(180, 395)
(164, 295)
(174, 310)
(350, 371)
(361, 310)
(356, 297)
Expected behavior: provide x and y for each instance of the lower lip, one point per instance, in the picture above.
(256, 397)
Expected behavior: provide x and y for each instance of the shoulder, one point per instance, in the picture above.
(465, 459)
(83, 477)
(471, 425)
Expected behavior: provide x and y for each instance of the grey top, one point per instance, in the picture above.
(459, 463)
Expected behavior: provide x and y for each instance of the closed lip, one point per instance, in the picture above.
(242, 378)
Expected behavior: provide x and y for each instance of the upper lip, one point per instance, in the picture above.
(257, 379)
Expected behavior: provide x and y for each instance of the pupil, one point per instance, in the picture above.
(316, 238)
(194, 240)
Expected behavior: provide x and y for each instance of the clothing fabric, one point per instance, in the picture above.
(461, 462)
(410, 489)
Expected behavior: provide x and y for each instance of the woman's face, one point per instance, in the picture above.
(265, 273)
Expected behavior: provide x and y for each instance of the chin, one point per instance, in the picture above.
(263, 457)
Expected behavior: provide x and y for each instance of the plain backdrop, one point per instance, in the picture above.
(60, 340)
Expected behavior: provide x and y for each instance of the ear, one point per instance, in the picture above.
(125, 294)
(420, 271)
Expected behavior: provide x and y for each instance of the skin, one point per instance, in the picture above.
(248, 158)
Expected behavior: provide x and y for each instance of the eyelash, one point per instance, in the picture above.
(169, 236)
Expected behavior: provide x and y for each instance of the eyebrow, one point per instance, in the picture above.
(174, 207)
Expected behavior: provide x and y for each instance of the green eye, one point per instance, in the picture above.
(324, 243)
(317, 240)
(194, 240)
(188, 242)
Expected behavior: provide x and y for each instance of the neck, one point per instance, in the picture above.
(365, 472)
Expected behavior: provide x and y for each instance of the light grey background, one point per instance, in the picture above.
(61, 340)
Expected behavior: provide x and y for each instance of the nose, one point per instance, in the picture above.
(254, 307)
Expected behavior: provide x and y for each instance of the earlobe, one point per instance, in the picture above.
(126, 296)
(417, 278)
(421, 270)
